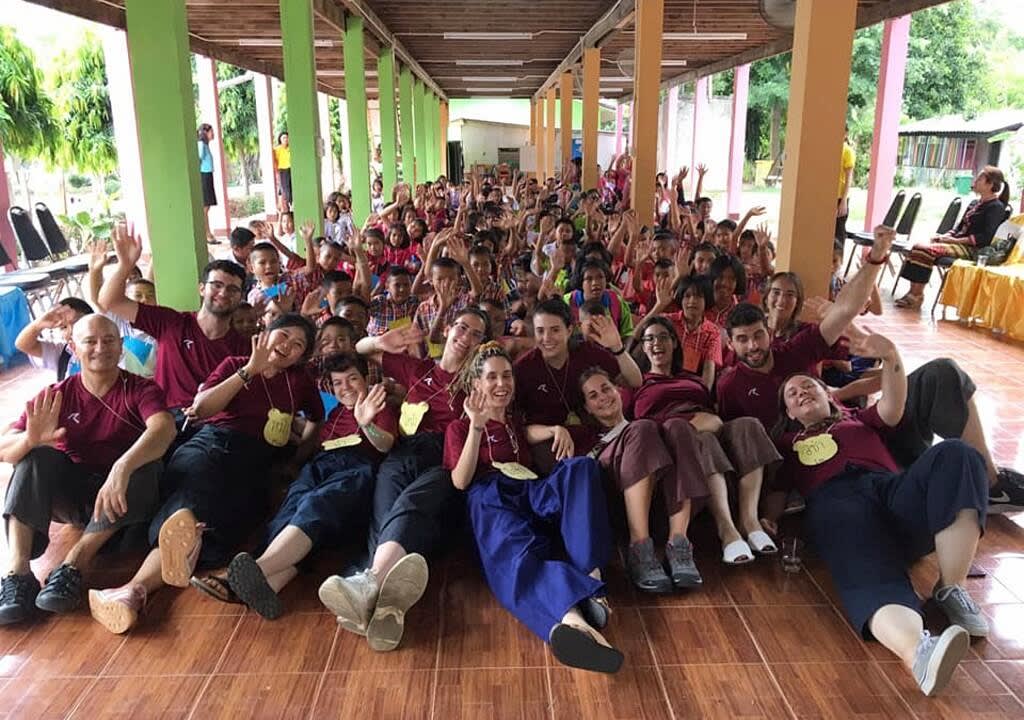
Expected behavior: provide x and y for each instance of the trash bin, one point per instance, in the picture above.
(963, 183)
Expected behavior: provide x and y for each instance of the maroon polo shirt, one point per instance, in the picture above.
(342, 422)
(662, 396)
(496, 445)
(428, 382)
(547, 395)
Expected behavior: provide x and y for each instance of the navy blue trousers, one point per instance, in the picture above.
(329, 498)
(515, 523)
(869, 526)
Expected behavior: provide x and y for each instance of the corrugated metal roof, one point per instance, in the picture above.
(988, 123)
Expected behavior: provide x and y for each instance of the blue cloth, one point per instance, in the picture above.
(205, 158)
(514, 523)
(330, 497)
(330, 402)
(14, 317)
(870, 526)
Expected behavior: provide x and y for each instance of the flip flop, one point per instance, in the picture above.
(575, 647)
(762, 543)
(737, 553)
(252, 588)
(216, 587)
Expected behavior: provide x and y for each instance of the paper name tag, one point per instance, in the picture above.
(411, 417)
(342, 442)
(816, 450)
(514, 470)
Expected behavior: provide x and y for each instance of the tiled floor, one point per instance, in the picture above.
(755, 643)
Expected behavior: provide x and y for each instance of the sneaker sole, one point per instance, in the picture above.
(950, 650)
(178, 537)
(575, 648)
(60, 608)
(336, 598)
(402, 588)
(687, 582)
(252, 588)
(116, 617)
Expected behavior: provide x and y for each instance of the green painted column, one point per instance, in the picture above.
(358, 127)
(433, 125)
(158, 50)
(388, 122)
(419, 101)
(303, 111)
(428, 133)
(406, 124)
(437, 136)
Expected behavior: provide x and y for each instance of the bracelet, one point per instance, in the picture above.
(244, 375)
(883, 261)
(619, 352)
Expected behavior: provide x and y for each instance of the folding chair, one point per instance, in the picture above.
(904, 230)
(60, 252)
(866, 239)
(943, 264)
(38, 287)
(37, 255)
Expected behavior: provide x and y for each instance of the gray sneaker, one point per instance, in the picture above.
(961, 609)
(644, 569)
(937, 657)
(679, 553)
(402, 587)
(351, 599)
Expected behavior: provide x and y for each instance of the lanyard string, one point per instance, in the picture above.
(803, 433)
(443, 389)
(291, 398)
(565, 379)
(124, 400)
(513, 440)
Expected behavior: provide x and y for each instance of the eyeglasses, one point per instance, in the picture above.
(218, 286)
(654, 339)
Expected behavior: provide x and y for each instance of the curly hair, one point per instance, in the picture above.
(473, 369)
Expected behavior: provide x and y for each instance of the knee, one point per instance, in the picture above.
(945, 372)
(965, 463)
(645, 432)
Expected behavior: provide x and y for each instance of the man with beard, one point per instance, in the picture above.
(189, 344)
(750, 388)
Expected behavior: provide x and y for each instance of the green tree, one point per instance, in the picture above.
(79, 85)
(769, 98)
(27, 125)
(238, 125)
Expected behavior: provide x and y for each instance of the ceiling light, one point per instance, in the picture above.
(490, 90)
(616, 80)
(481, 78)
(488, 63)
(673, 63)
(326, 43)
(488, 36)
(341, 73)
(260, 42)
(704, 36)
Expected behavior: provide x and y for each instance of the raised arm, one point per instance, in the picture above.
(604, 332)
(111, 295)
(42, 427)
(894, 376)
(212, 400)
(28, 339)
(367, 408)
(856, 293)
(465, 468)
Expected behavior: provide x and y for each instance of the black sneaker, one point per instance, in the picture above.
(644, 569)
(17, 597)
(62, 592)
(1007, 495)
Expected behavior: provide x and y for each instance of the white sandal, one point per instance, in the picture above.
(762, 543)
(737, 553)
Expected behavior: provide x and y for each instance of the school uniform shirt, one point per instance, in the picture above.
(290, 391)
(499, 442)
(745, 392)
(407, 257)
(185, 357)
(720, 317)
(299, 283)
(427, 311)
(663, 396)
(700, 345)
(342, 423)
(548, 395)
(858, 443)
(101, 430)
(426, 381)
(385, 314)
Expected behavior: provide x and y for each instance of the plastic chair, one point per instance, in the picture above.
(60, 251)
(866, 239)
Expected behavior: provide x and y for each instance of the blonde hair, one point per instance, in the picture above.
(473, 369)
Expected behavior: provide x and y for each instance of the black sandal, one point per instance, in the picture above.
(575, 647)
(216, 587)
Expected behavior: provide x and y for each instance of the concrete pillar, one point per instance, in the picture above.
(328, 182)
(822, 48)
(265, 133)
(7, 239)
(533, 122)
(303, 114)
(671, 131)
(549, 126)
(429, 127)
(444, 137)
(209, 112)
(565, 92)
(888, 107)
(618, 128)
(126, 131)
(346, 148)
(542, 139)
(644, 120)
(158, 49)
(419, 101)
(406, 125)
(591, 115)
(358, 128)
(701, 112)
(388, 120)
(738, 140)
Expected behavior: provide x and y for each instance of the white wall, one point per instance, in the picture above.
(717, 130)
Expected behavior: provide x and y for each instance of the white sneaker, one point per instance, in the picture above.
(401, 588)
(937, 657)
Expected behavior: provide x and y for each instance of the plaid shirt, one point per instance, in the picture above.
(496, 291)
(297, 283)
(427, 312)
(386, 315)
(704, 343)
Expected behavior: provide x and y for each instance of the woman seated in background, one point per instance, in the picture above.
(560, 600)
(870, 520)
(973, 232)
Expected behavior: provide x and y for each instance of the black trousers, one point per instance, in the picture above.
(47, 485)
(414, 501)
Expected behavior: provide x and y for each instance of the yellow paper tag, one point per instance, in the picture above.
(342, 442)
(400, 323)
(435, 350)
(816, 450)
(411, 417)
(278, 428)
(572, 419)
(514, 470)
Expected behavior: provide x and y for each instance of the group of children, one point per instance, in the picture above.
(505, 354)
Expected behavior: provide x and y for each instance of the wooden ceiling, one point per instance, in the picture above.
(550, 33)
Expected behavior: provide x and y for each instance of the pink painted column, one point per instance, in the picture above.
(738, 140)
(885, 143)
(618, 128)
(209, 108)
(7, 239)
(265, 134)
(701, 110)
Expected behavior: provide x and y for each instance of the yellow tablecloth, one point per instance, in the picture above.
(992, 296)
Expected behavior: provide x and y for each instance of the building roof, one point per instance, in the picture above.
(989, 123)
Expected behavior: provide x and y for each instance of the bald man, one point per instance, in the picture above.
(86, 451)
